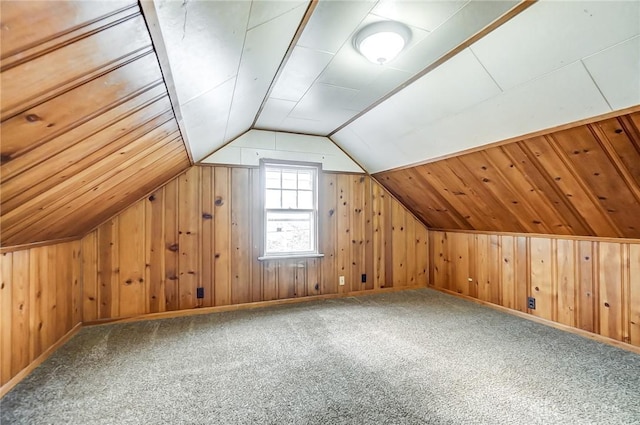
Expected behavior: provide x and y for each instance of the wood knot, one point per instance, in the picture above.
(618, 130)
(172, 277)
(219, 202)
(361, 179)
(140, 280)
(32, 118)
(92, 299)
(331, 212)
(606, 304)
(602, 198)
(217, 256)
(587, 258)
(486, 180)
(4, 158)
(128, 281)
(537, 289)
(207, 216)
(152, 198)
(173, 247)
(557, 179)
(537, 222)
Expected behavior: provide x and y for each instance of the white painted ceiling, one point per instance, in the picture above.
(554, 63)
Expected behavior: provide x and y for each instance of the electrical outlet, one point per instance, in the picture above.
(341, 280)
(363, 278)
(200, 292)
(531, 303)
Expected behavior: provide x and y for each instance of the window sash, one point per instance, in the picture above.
(313, 225)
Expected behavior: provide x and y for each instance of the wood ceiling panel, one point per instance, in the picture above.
(93, 132)
(580, 181)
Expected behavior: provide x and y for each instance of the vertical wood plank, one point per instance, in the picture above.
(6, 314)
(458, 254)
(377, 223)
(387, 226)
(343, 248)
(38, 275)
(155, 250)
(523, 276)
(206, 236)
(20, 312)
(566, 278)
(399, 243)
(439, 247)
(634, 294)
(255, 236)
(422, 255)
(482, 266)
(76, 278)
(171, 247)
(328, 226)
(132, 299)
(188, 234)
(368, 235)
(411, 243)
(90, 276)
(586, 294)
(287, 279)
(508, 272)
(542, 277)
(107, 269)
(270, 280)
(240, 237)
(222, 237)
(610, 288)
(314, 271)
(357, 220)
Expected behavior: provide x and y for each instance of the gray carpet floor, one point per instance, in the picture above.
(413, 357)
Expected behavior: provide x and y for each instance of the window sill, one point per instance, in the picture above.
(289, 257)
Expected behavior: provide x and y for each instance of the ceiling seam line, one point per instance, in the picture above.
(595, 84)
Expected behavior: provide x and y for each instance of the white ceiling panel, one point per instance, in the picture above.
(466, 22)
(332, 23)
(438, 94)
(203, 42)
(386, 81)
(205, 119)
(565, 95)
(321, 101)
(275, 112)
(616, 71)
(425, 14)
(369, 153)
(303, 67)
(551, 34)
(265, 10)
(264, 49)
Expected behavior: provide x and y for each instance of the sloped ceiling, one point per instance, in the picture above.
(101, 104)
(87, 124)
(580, 181)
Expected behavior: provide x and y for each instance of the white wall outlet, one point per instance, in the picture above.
(341, 280)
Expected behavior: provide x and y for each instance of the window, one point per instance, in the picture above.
(290, 209)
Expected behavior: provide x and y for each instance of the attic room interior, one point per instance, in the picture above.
(320, 212)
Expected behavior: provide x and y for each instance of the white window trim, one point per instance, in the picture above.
(317, 167)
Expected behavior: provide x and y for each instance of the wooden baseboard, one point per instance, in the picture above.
(38, 361)
(563, 327)
(245, 306)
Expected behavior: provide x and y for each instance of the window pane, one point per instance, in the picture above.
(290, 232)
(273, 179)
(305, 179)
(289, 179)
(273, 199)
(289, 199)
(305, 199)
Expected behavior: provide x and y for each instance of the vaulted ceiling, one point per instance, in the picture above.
(103, 101)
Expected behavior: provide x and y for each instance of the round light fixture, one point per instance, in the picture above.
(381, 42)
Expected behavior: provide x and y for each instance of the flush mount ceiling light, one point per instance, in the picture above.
(381, 42)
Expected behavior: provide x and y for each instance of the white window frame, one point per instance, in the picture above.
(293, 165)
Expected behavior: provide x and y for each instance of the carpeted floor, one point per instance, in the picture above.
(413, 357)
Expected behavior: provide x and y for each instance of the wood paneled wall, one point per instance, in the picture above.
(40, 301)
(87, 125)
(590, 285)
(580, 181)
(204, 228)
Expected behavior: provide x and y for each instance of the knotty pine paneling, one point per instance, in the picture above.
(204, 229)
(590, 285)
(580, 181)
(40, 301)
(87, 125)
